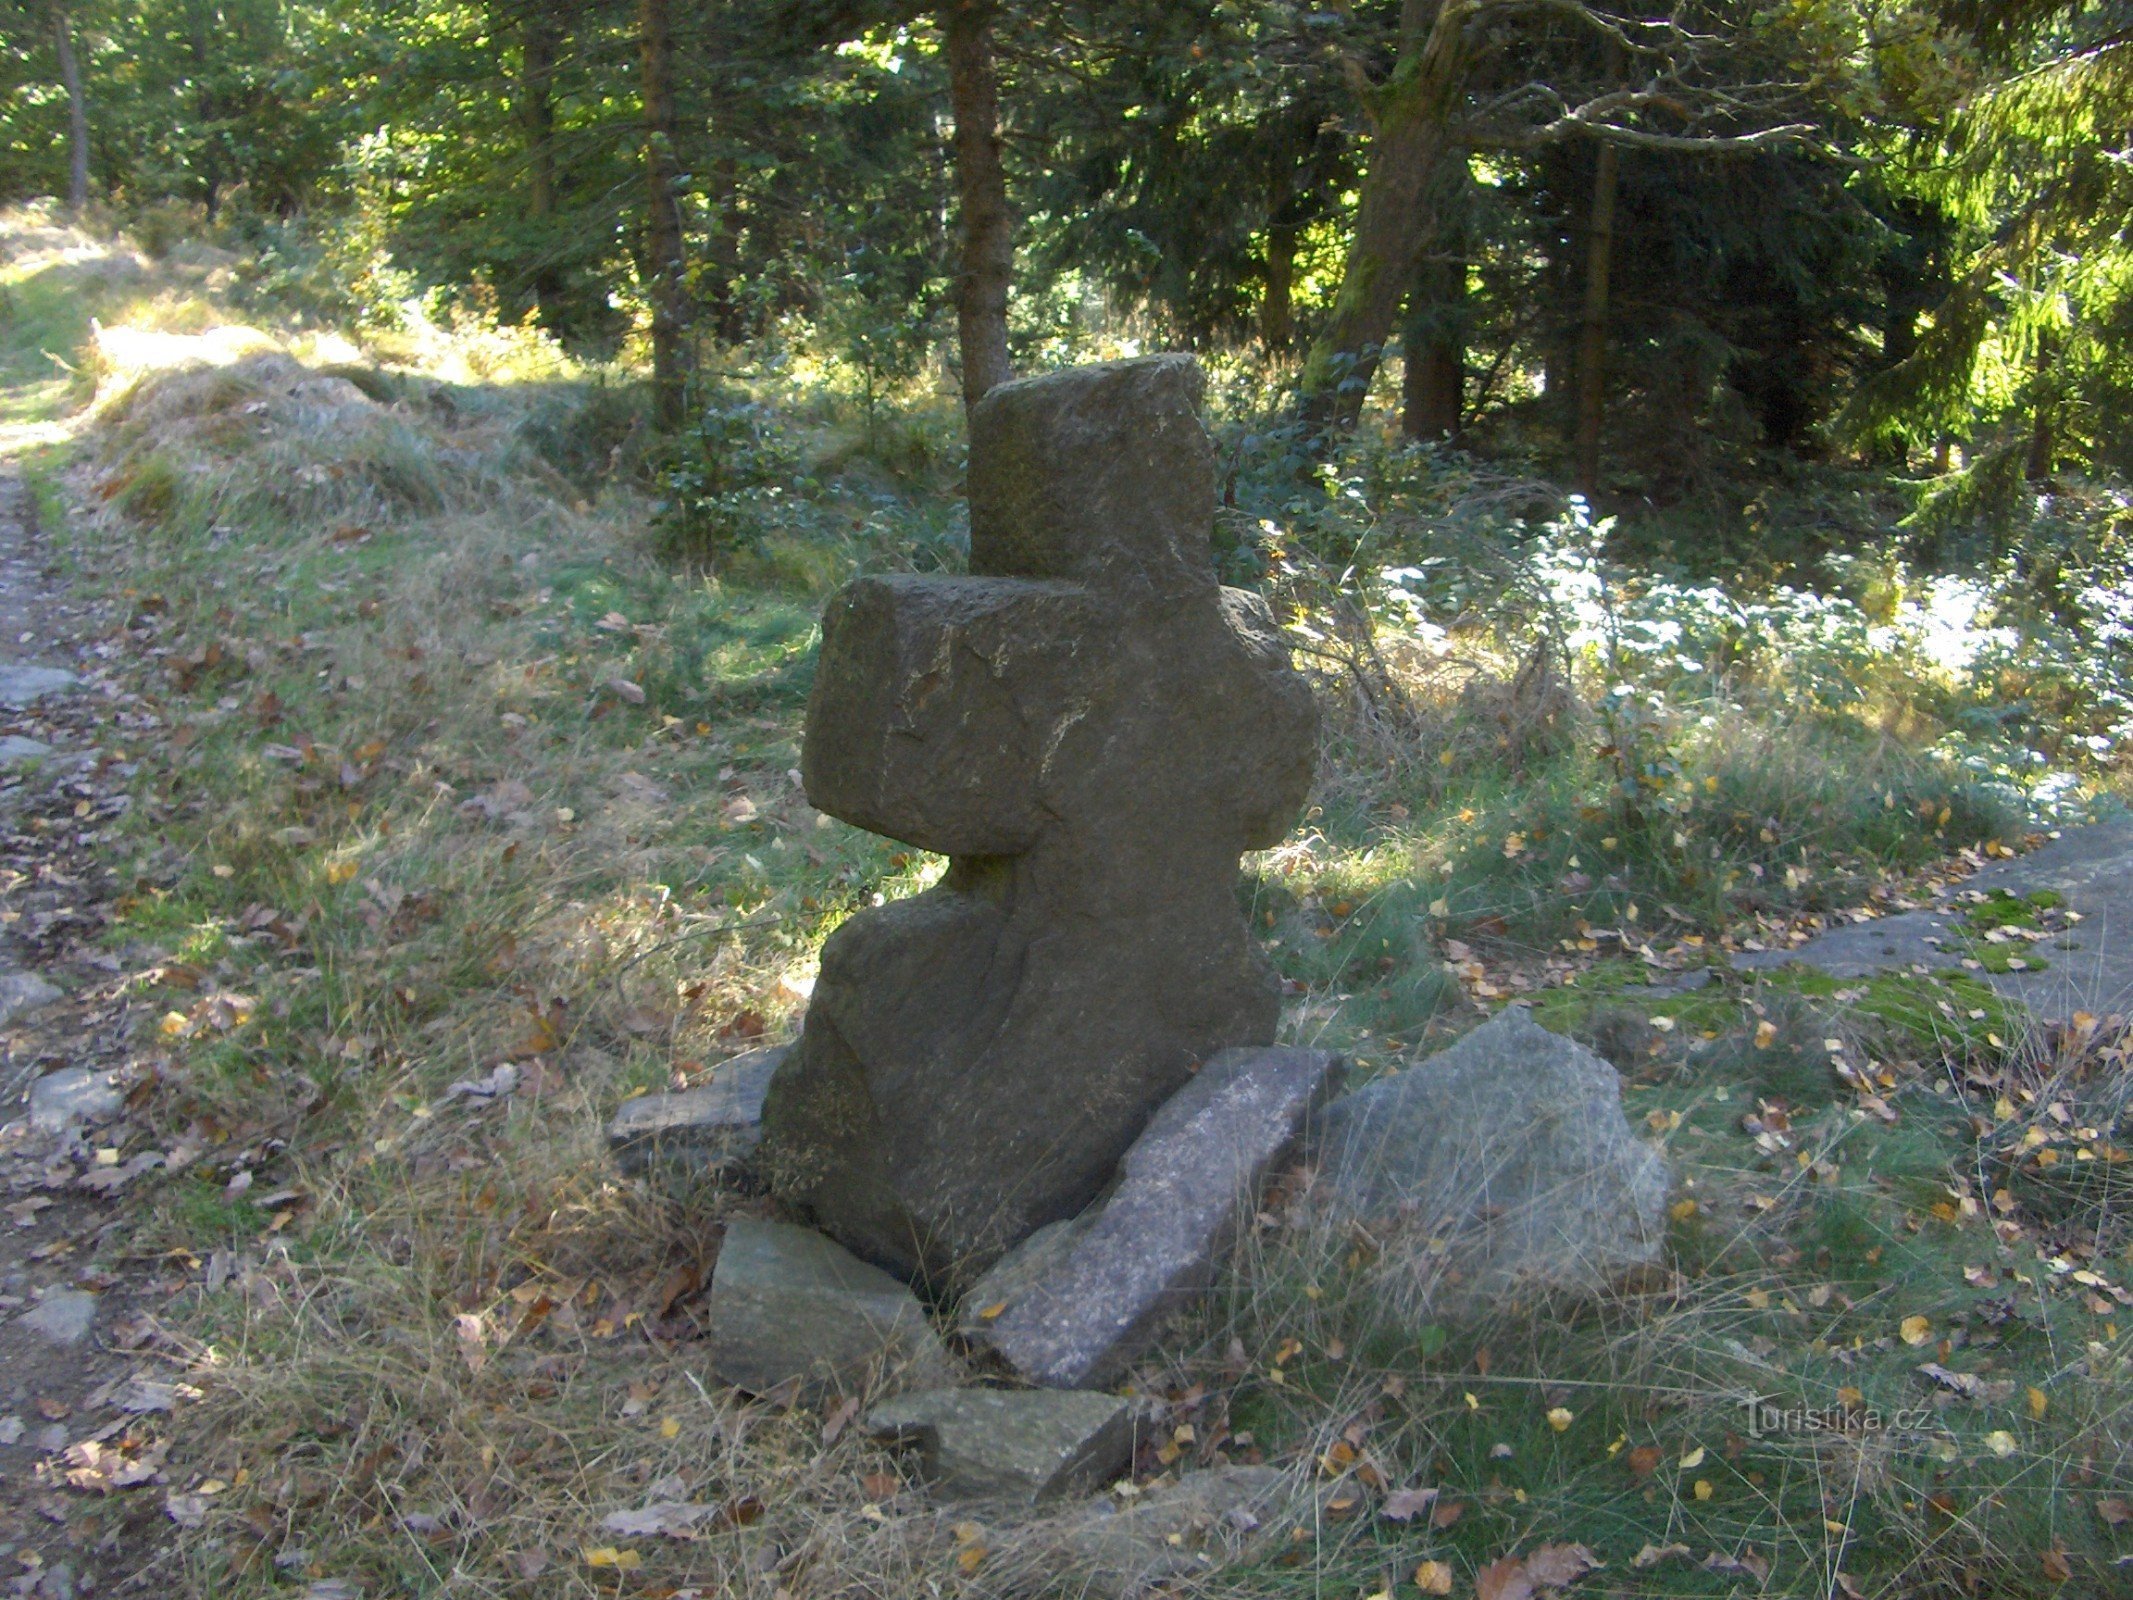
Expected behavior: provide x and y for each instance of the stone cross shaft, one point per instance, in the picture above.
(1092, 729)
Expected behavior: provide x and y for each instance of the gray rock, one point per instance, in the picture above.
(22, 685)
(64, 1316)
(1504, 1162)
(73, 1097)
(1076, 1304)
(2090, 968)
(16, 751)
(1093, 730)
(705, 1132)
(22, 992)
(1025, 1445)
(788, 1305)
(1174, 1533)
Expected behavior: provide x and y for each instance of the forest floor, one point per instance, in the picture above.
(401, 755)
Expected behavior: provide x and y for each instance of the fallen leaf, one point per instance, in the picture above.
(1652, 1554)
(2000, 1442)
(2056, 1566)
(1404, 1505)
(607, 1555)
(473, 1340)
(1503, 1580)
(880, 1485)
(1745, 1565)
(1434, 1577)
(1558, 1566)
(1645, 1459)
(1692, 1459)
(1447, 1513)
(2039, 1402)
(2115, 1510)
(839, 1418)
(1916, 1330)
(1560, 1418)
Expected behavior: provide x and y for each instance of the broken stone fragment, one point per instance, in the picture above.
(25, 685)
(64, 1316)
(1078, 1302)
(74, 1097)
(790, 1306)
(1171, 1535)
(22, 992)
(1502, 1163)
(1023, 1445)
(705, 1132)
(16, 751)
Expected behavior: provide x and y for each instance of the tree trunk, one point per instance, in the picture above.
(1277, 305)
(537, 114)
(727, 313)
(2042, 434)
(1592, 326)
(1434, 343)
(668, 280)
(985, 229)
(1413, 115)
(77, 112)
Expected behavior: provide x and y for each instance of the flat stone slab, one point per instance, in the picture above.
(2088, 968)
(64, 1316)
(1026, 1445)
(16, 751)
(74, 1097)
(23, 992)
(1172, 1535)
(25, 685)
(1078, 1301)
(705, 1132)
(788, 1306)
(1502, 1162)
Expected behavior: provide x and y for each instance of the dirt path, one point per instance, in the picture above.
(85, 1388)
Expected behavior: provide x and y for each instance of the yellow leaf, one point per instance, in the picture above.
(992, 1311)
(1440, 908)
(340, 871)
(1560, 1418)
(669, 1427)
(174, 1024)
(971, 1557)
(1693, 1460)
(608, 1555)
(1434, 1577)
(2039, 1403)
(2000, 1442)
(1703, 1488)
(1682, 1210)
(1916, 1330)
(1765, 1035)
(1758, 1298)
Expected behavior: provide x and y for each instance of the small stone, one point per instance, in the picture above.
(705, 1132)
(1175, 1533)
(73, 1097)
(64, 1316)
(22, 992)
(1078, 1302)
(787, 1304)
(16, 751)
(1505, 1161)
(53, 1437)
(1025, 1445)
(24, 685)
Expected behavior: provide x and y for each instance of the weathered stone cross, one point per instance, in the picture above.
(1092, 730)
